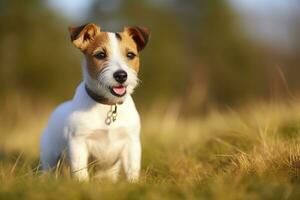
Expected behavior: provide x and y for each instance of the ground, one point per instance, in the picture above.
(252, 152)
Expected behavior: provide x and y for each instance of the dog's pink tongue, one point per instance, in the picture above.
(119, 90)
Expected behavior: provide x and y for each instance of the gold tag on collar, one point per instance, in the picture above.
(111, 115)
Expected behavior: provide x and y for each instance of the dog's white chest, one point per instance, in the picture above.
(106, 145)
(104, 142)
(79, 126)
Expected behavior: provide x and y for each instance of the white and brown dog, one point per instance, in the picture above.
(101, 120)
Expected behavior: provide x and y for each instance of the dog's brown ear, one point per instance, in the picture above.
(140, 35)
(81, 36)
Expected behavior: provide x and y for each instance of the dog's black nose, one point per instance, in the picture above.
(120, 76)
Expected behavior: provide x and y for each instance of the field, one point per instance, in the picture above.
(252, 152)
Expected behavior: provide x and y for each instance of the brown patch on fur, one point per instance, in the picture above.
(82, 36)
(127, 45)
(100, 44)
(140, 35)
(90, 40)
(119, 37)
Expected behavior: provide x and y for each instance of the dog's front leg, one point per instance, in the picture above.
(131, 159)
(78, 157)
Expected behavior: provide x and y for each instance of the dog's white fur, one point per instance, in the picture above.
(78, 126)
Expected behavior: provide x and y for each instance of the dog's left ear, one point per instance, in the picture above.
(140, 35)
(81, 36)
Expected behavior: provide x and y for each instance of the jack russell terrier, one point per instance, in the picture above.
(101, 120)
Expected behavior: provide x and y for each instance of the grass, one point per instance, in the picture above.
(249, 153)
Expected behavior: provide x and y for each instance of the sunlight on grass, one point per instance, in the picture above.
(249, 153)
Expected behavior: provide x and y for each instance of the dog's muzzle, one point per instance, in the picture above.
(120, 76)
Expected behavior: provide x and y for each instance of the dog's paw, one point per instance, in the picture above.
(133, 177)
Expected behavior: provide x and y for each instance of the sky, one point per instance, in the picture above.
(72, 9)
(268, 20)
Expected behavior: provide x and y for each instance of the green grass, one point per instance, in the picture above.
(249, 153)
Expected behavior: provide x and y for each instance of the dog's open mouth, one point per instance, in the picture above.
(118, 91)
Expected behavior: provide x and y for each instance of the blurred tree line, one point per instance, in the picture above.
(36, 55)
(198, 54)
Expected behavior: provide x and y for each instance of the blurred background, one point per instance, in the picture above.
(219, 96)
(202, 54)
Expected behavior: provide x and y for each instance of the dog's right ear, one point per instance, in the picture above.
(81, 36)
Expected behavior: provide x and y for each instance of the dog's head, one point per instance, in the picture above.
(112, 59)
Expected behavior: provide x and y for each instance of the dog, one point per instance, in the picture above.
(101, 120)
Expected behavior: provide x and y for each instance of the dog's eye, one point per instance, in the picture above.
(100, 55)
(130, 55)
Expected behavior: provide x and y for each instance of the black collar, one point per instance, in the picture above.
(97, 98)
